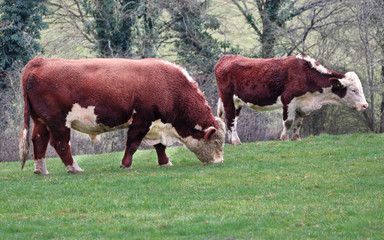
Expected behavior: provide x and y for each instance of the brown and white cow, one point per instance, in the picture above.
(156, 100)
(298, 84)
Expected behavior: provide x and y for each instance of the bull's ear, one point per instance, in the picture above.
(209, 133)
(336, 83)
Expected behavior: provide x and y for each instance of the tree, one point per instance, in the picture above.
(269, 19)
(369, 17)
(191, 25)
(21, 23)
(112, 26)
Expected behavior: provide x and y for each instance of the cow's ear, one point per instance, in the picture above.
(209, 133)
(336, 83)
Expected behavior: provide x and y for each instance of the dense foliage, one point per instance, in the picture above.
(21, 23)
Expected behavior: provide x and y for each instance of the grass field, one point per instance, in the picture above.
(327, 187)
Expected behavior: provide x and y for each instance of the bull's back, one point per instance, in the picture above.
(114, 87)
(252, 79)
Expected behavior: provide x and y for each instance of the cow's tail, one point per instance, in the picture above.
(24, 135)
(220, 109)
(25, 132)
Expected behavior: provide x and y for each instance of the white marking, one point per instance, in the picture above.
(220, 108)
(84, 120)
(354, 97)
(238, 102)
(95, 138)
(205, 151)
(160, 132)
(235, 140)
(168, 164)
(319, 67)
(198, 127)
(183, 70)
(208, 129)
(25, 133)
(40, 167)
(312, 101)
(24, 146)
(74, 168)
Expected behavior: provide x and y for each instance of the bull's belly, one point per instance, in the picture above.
(84, 120)
(238, 102)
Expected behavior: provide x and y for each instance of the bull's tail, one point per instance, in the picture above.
(25, 132)
(220, 109)
(24, 135)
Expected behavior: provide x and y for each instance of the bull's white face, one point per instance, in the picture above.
(354, 97)
(209, 151)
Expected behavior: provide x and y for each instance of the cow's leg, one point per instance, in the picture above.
(60, 141)
(40, 139)
(161, 155)
(286, 125)
(136, 132)
(235, 137)
(231, 116)
(296, 126)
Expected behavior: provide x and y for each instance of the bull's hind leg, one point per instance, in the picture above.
(60, 141)
(286, 126)
(136, 132)
(40, 139)
(298, 121)
(232, 113)
(161, 155)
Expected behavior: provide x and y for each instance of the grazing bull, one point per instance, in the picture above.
(299, 84)
(156, 100)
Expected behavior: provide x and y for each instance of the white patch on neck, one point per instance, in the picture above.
(311, 101)
(160, 132)
(318, 67)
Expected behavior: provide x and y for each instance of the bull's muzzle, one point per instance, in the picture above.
(362, 107)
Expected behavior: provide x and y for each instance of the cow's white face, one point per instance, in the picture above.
(209, 150)
(354, 95)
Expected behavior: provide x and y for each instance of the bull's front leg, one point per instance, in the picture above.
(231, 117)
(137, 131)
(162, 156)
(287, 123)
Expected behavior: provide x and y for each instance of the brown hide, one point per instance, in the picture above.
(260, 83)
(122, 92)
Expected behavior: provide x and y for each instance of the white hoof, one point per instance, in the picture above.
(74, 168)
(40, 167)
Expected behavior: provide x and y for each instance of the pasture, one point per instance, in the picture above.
(326, 187)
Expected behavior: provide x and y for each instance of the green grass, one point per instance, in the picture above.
(327, 187)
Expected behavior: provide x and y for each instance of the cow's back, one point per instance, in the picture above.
(253, 80)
